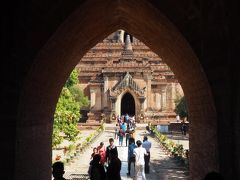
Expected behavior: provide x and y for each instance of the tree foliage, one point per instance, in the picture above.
(181, 107)
(73, 79)
(67, 112)
(79, 96)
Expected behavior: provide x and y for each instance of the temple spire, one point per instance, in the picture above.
(127, 53)
(128, 44)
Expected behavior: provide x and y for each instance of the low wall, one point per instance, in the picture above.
(84, 126)
(172, 126)
(176, 126)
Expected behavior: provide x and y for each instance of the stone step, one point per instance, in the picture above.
(138, 126)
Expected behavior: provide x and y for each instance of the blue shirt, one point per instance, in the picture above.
(147, 145)
(131, 147)
(124, 127)
(127, 117)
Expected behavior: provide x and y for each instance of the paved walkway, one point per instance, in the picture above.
(162, 167)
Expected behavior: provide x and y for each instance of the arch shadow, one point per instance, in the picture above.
(89, 24)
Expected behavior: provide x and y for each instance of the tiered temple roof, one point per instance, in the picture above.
(114, 56)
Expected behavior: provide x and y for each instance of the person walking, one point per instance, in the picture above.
(127, 118)
(147, 145)
(184, 129)
(121, 134)
(95, 151)
(127, 136)
(131, 156)
(96, 169)
(139, 153)
(111, 149)
(131, 135)
(123, 126)
(114, 167)
(116, 132)
(102, 152)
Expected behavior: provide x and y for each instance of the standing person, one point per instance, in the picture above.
(96, 170)
(110, 150)
(118, 119)
(131, 135)
(121, 134)
(184, 128)
(95, 151)
(130, 123)
(123, 126)
(122, 119)
(58, 170)
(127, 118)
(127, 136)
(102, 152)
(133, 122)
(147, 145)
(139, 153)
(131, 156)
(178, 118)
(116, 132)
(114, 167)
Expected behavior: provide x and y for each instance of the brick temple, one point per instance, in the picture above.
(122, 75)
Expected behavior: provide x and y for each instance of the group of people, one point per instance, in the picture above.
(105, 163)
(125, 128)
(58, 171)
(139, 155)
(129, 120)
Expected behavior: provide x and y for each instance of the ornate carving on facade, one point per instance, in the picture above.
(127, 82)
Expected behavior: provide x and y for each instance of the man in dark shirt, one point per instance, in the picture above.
(131, 156)
(111, 149)
(114, 167)
(96, 169)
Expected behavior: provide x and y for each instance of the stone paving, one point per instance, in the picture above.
(162, 167)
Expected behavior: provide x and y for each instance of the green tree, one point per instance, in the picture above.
(79, 96)
(181, 107)
(67, 113)
(73, 79)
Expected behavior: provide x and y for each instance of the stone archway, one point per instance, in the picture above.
(89, 24)
(128, 105)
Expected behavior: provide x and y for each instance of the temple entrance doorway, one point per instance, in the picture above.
(128, 105)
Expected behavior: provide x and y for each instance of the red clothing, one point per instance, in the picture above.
(102, 153)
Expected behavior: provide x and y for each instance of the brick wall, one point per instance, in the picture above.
(39, 54)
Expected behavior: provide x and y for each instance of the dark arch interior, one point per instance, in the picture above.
(128, 105)
(33, 109)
